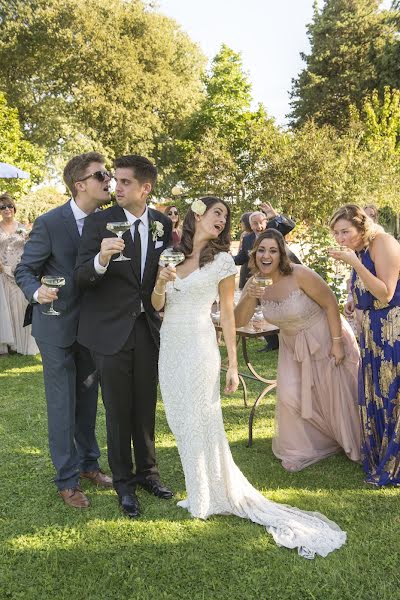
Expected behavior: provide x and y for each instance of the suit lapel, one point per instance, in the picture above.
(70, 223)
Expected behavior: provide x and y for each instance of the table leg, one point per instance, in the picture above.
(271, 384)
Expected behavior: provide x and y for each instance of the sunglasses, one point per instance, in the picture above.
(4, 206)
(98, 175)
(172, 212)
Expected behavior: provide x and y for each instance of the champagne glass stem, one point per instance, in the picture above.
(119, 235)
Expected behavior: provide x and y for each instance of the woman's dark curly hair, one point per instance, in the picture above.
(285, 266)
(220, 244)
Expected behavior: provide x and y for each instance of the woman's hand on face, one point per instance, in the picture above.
(337, 351)
(253, 290)
(347, 256)
(232, 380)
(167, 274)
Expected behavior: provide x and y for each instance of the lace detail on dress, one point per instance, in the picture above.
(189, 369)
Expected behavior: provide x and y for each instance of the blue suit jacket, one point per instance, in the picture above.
(52, 249)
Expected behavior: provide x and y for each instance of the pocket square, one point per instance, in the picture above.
(158, 245)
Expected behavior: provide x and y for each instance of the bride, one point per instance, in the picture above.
(189, 370)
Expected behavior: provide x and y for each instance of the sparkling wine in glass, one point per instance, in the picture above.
(171, 257)
(119, 228)
(262, 281)
(52, 281)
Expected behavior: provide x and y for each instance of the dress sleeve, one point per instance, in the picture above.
(226, 266)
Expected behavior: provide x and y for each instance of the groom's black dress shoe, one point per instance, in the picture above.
(156, 488)
(130, 505)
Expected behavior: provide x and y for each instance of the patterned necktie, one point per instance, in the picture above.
(137, 251)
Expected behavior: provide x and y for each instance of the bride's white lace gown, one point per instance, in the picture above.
(189, 369)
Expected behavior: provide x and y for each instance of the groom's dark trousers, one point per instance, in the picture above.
(70, 379)
(121, 328)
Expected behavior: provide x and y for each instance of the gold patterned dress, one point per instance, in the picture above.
(379, 381)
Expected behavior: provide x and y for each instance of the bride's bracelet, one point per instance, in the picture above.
(339, 337)
(158, 293)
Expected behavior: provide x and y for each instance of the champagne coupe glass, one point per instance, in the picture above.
(340, 268)
(119, 229)
(52, 281)
(171, 257)
(262, 281)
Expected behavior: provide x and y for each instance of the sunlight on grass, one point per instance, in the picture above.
(50, 551)
(30, 451)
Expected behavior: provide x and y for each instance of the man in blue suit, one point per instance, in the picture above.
(71, 383)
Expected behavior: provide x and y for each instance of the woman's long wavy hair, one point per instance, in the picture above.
(220, 244)
(284, 263)
(361, 221)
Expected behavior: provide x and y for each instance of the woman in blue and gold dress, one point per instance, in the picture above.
(375, 258)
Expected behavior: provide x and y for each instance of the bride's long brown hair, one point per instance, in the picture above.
(213, 247)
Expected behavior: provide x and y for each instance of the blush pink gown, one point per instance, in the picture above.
(317, 413)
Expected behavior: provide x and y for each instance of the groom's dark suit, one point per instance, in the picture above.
(120, 326)
(69, 373)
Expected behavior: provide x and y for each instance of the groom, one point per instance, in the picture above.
(120, 326)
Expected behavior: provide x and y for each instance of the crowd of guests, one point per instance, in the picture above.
(334, 394)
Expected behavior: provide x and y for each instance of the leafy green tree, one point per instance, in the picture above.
(15, 149)
(84, 74)
(38, 201)
(379, 120)
(220, 145)
(348, 41)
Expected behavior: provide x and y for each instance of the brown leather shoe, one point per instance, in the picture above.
(98, 478)
(74, 497)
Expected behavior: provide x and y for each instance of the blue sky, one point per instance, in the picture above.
(269, 34)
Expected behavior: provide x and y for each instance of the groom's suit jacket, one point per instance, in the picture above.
(52, 249)
(112, 302)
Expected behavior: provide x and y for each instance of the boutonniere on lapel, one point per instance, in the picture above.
(157, 230)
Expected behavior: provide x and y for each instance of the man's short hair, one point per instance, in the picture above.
(256, 213)
(75, 168)
(143, 169)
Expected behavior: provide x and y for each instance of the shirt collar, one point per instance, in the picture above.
(78, 212)
(144, 218)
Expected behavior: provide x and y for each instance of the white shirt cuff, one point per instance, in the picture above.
(100, 270)
(35, 295)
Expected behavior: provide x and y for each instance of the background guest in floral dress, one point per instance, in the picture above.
(375, 258)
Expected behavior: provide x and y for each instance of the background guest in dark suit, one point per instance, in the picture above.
(69, 373)
(266, 218)
(121, 327)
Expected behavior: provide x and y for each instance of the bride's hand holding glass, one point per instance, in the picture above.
(167, 274)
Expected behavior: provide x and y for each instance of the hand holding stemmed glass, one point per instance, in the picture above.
(52, 283)
(343, 257)
(119, 228)
(257, 285)
(169, 259)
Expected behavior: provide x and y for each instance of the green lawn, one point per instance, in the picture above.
(48, 550)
